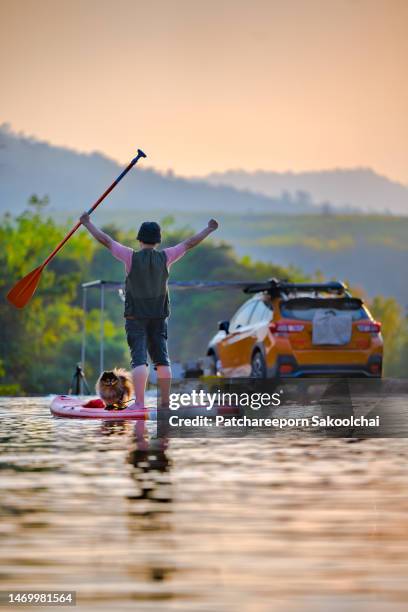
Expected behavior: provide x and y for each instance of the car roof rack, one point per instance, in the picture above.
(276, 288)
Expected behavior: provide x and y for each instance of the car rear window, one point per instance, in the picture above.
(305, 308)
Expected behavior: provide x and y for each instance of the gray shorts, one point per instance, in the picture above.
(147, 337)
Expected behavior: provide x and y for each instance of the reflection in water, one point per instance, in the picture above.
(148, 453)
(135, 522)
(148, 503)
(149, 459)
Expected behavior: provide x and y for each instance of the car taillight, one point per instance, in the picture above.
(286, 328)
(371, 327)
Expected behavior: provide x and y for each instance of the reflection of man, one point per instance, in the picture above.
(147, 300)
(148, 453)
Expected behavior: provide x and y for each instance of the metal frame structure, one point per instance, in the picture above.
(118, 286)
(103, 286)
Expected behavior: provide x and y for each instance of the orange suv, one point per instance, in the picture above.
(298, 329)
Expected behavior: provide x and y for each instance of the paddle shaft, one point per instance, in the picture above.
(98, 201)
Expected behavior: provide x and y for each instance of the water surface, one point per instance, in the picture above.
(132, 522)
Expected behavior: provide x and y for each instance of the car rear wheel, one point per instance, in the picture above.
(258, 366)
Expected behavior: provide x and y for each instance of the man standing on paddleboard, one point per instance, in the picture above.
(147, 305)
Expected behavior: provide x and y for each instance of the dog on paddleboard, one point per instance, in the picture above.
(115, 387)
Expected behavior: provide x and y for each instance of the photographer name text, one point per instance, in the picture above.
(314, 421)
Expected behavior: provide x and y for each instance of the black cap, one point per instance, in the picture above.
(149, 232)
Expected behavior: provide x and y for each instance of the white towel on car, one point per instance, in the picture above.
(330, 327)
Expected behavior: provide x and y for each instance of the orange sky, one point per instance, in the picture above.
(207, 85)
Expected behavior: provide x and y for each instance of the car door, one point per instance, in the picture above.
(235, 348)
(259, 324)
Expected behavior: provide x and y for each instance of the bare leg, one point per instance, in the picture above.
(140, 375)
(164, 382)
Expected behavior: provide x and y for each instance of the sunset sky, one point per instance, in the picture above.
(215, 84)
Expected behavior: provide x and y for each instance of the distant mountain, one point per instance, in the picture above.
(74, 180)
(359, 188)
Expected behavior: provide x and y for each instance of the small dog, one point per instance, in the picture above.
(115, 387)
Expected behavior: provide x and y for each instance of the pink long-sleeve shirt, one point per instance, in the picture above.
(125, 253)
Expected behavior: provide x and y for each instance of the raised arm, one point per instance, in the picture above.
(96, 233)
(197, 238)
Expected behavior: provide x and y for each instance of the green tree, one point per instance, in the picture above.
(395, 333)
(33, 338)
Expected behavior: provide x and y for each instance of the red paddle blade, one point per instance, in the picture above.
(23, 291)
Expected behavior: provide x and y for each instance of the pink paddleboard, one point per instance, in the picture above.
(74, 407)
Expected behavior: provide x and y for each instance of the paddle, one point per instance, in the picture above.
(23, 291)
